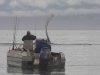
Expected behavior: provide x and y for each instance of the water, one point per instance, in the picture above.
(80, 59)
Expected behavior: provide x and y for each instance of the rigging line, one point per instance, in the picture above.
(35, 29)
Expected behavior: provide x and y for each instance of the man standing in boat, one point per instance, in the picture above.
(29, 39)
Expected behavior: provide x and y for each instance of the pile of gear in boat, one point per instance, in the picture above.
(35, 53)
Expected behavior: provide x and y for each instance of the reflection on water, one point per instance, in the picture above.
(35, 71)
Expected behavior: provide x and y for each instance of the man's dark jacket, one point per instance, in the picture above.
(29, 37)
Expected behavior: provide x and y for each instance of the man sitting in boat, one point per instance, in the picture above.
(28, 41)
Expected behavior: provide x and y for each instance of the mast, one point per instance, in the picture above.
(46, 25)
(14, 34)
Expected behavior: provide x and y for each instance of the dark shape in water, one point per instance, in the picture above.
(35, 71)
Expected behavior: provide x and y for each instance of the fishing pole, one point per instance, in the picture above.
(14, 34)
(46, 25)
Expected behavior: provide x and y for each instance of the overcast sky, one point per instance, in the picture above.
(69, 14)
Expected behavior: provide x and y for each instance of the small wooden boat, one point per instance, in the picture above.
(29, 59)
(41, 57)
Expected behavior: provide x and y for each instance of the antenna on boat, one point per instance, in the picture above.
(46, 25)
(14, 34)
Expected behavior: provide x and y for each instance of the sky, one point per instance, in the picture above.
(69, 14)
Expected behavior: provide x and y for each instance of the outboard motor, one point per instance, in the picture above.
(45, 55)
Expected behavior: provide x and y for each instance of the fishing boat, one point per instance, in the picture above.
(39, 58)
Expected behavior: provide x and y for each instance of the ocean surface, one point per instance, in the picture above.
(81, 48)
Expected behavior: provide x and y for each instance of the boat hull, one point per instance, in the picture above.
(24, 60)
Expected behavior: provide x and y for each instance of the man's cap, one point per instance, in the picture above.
(28, 32)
